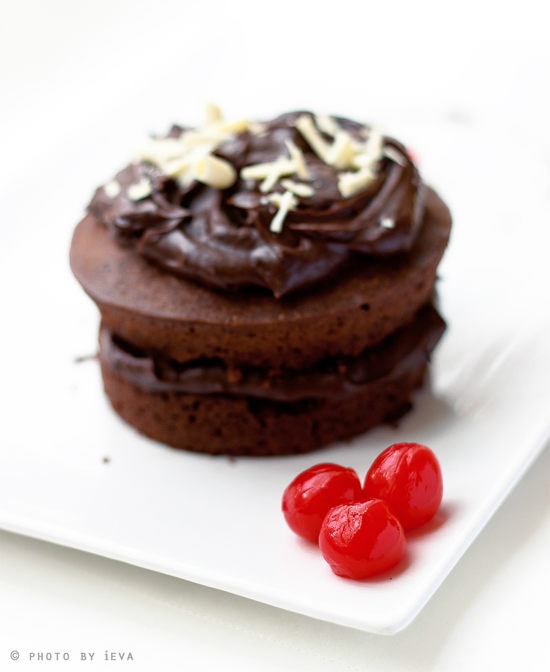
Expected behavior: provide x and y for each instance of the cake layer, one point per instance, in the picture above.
(240, 425)
(153, 309)
(204, 407)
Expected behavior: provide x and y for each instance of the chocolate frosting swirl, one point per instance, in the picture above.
(222, 237)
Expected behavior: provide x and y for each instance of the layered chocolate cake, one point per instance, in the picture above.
(264, 288)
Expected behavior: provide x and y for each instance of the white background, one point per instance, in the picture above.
(100, 75)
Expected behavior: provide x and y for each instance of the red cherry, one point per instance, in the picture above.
(407, 476)
(312, 493)
(361, 539)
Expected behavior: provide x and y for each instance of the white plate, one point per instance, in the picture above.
(73, 474)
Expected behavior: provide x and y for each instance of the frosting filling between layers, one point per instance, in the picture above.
(333, 377)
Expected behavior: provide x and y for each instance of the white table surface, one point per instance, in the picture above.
(66, 69)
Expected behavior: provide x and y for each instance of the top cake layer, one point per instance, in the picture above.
(281, 205)
(157, 310)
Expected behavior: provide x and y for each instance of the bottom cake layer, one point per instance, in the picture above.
(161, 401)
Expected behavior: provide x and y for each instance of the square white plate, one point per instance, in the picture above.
(72, 473)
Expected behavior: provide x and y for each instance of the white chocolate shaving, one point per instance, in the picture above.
(225, 128)
(112, 189)
(327, 124)
(260, 171)
(387, 223)
(311, 134)
(277, 198)
(183, 169)
(372, 149)
(272, 171)
(350, 183)
(345, 152)
(284, 202)
(279, 168)
(179, 157)
(366, 160)
(342, 152)
(297, 156)
(139, 190)
(215, 172)
(177, 167)
(298, 189)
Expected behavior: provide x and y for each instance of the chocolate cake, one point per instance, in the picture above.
(264, 288)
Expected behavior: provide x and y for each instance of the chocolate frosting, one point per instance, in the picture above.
(333, 377)
(223, 237)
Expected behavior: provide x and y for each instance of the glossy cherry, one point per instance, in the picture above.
(314, 492)
(407, 476)
(361, 539)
